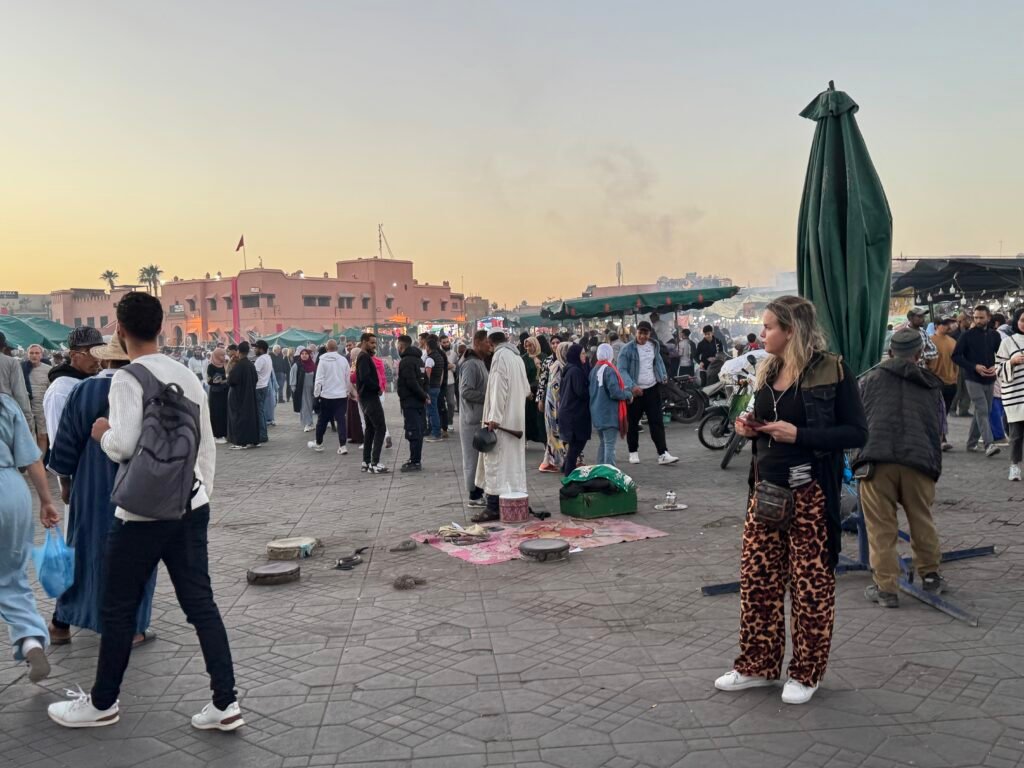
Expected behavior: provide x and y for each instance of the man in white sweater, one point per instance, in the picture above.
(137, 544)
(332, 385)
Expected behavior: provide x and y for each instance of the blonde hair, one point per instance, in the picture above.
(798, 315)
(532, 346)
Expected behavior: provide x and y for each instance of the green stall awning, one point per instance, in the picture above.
(294, 337)
(637, 303)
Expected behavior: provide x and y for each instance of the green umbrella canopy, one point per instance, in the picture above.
(638, 303)
(56, 332)
(844, 235)
(294, 337)
(352, 334)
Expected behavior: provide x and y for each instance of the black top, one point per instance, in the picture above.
(978, 346)
(412, 380)
(850, 430)
(707, 350)
(775, 459)
(367, 381)
(216, 375)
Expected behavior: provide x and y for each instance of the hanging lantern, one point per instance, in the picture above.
(918, 299)
(929, 298)
(952, 289)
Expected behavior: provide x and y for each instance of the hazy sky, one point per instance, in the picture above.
(522, 146)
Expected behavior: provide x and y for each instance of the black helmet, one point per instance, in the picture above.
(484, 440)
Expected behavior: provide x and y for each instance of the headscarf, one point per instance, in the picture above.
(545, 346)
(605, 354)
(307, 363)
(218, 356)
(574, 355)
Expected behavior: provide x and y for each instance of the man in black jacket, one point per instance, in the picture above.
(368, 387)
(975, 353)
(707, 350)
(412, 393)
(900, 464)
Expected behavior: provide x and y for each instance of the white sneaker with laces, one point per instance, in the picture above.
(734, 681)
(1015, 472)
(667, 458)
(213, 719)
(342, 451)
(992, 450)
(634, 458)
(797, 693)
(80, 713)
(312, 444)
(308, 428)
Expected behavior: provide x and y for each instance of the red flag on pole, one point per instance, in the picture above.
(241, 244)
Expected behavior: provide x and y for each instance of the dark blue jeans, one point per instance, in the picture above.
(433, 414)
(133, 551)
(413, 416)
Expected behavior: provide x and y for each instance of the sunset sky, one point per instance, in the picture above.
(523, 147)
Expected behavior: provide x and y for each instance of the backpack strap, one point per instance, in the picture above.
(151, 385)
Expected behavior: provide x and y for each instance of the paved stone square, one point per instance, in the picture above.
(604, 660)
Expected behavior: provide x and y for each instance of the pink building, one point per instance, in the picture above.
(260, 302)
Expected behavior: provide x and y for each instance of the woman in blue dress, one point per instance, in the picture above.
(18, 451)
(88, 475)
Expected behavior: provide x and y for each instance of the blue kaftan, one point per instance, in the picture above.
(75, 454)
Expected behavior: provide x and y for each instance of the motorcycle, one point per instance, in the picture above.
(717, 429)
(684, 400)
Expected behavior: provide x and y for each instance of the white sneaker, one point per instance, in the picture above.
(221, 441)
(312, 444)
(992, 450)
(342, 451)
(667, 458)
(308, 428)
(634, 458)
(734, 681)
(80, 713)
(797, 693)
(1015, 472)
(213, 719)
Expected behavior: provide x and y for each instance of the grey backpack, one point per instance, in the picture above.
(159, 480)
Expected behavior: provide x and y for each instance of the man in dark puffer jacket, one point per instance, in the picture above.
(900, 465)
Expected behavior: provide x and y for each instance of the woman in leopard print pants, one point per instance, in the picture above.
(806, 412)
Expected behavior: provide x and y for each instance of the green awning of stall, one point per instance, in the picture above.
(844, 234)
(531, 321)
(21, 334)
(637, 303)
(294, 337)
(57, 333)
(352, 334)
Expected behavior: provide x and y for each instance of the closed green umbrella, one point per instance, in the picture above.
(844, 239)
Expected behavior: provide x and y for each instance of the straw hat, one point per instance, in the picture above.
(112, 350)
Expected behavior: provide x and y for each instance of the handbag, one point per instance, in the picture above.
(771, 505)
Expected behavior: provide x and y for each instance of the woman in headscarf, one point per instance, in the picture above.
(300, 379)
(574, 407)
(554, 449)
(534, 419)
(217, 382)
(355, 412)
(608, 398)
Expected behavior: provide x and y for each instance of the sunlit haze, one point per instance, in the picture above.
(516, 149)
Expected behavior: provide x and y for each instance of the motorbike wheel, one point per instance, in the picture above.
(691, 410)
(715, 432)
(736, 443)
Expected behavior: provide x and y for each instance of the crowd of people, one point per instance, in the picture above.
(83, 416)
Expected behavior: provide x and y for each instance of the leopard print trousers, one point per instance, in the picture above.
(771, 562)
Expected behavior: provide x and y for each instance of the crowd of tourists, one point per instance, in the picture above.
(85, 417)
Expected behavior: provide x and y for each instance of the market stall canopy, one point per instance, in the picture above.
(294, 337)
(352, 334)
(636, 303)
(530, 321)
(844, 234)
(955, 276)
(56, 332)
(21, 334)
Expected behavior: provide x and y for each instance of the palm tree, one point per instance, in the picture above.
(109, 277)
(151, 276)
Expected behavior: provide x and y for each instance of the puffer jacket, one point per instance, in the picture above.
(901, 403)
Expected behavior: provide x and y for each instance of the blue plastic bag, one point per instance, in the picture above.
(55, 563)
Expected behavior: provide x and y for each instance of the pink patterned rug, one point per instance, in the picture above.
(504, 544)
